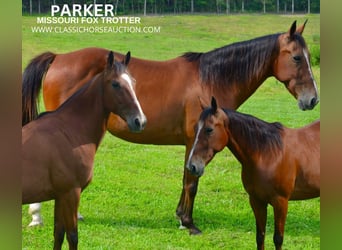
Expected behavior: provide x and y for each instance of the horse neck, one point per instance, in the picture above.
(237, 146)
(84, 112)
(250, 138)
(240, 69)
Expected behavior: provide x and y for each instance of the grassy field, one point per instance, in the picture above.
(135, 190)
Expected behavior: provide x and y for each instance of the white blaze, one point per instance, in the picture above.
(200, 126)
(128, 79)
(309, 68)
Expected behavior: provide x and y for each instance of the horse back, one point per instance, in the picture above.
(68, 72)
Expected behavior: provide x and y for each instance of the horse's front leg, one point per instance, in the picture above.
(186, 202)
(280, 208)
(260, 213)
(70, 207)
(59, 229)
(66, 219)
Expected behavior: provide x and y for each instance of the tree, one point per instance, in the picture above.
(145, 7)
(227, 7)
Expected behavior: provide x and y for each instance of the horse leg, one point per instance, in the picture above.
(260, 213)
(37, 220)
(80, 216)
(67, 219)
(280, 212)
(184, 210)
(70, 217)
(186, 203)
(59, 229)
(34, 211)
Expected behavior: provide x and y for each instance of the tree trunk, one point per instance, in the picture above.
(116, 6)
(227, 7)
(277, 6)
(292, 6)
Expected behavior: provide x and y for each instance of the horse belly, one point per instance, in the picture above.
(156, 133)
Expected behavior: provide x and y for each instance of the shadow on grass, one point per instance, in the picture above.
(210, 221)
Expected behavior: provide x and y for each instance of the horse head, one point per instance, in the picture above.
(211, 137)
(292, 67)
(119, 93)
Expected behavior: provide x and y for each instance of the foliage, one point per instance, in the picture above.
(184, 6)
(131, 201)
(315, 50)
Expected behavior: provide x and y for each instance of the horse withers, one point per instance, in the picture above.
(58, 148)
(278, 163)
(168, 90)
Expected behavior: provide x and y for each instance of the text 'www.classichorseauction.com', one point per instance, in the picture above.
(89, 18)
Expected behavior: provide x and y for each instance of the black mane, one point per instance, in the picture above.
(258, 134)
(237, 62)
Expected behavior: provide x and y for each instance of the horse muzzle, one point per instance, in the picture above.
(137, 124)
(308, 103)
(196, 169)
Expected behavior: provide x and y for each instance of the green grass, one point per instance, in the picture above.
(135, 190)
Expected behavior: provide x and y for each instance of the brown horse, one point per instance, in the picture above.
(168, 90)
(58, 148)
(278, 163)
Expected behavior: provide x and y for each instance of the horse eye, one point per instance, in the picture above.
(208, 130)
(296, 58)
(115, 84)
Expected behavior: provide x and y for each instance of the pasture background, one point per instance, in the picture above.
(131, 201)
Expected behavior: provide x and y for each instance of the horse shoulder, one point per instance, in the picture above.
(305, 150)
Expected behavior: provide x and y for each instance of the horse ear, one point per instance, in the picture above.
(213, 104)
(110, 59)
(293, 28)
(300, 29)
(127, 58)
(202, 103)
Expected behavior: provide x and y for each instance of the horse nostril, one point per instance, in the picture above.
(313, 101)
(193, 168)
(137, 122)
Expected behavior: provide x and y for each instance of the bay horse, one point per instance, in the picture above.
(58, 148)
(168, 90)
(278, 163)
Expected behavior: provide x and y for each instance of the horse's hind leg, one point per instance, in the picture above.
(280, 211)
(260, 213)
(34, 211)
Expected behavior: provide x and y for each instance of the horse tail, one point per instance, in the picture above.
(31, 85)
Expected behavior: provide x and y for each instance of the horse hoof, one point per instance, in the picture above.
(181, 227)
(80, 217)
(35, 223)
(194, 231)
